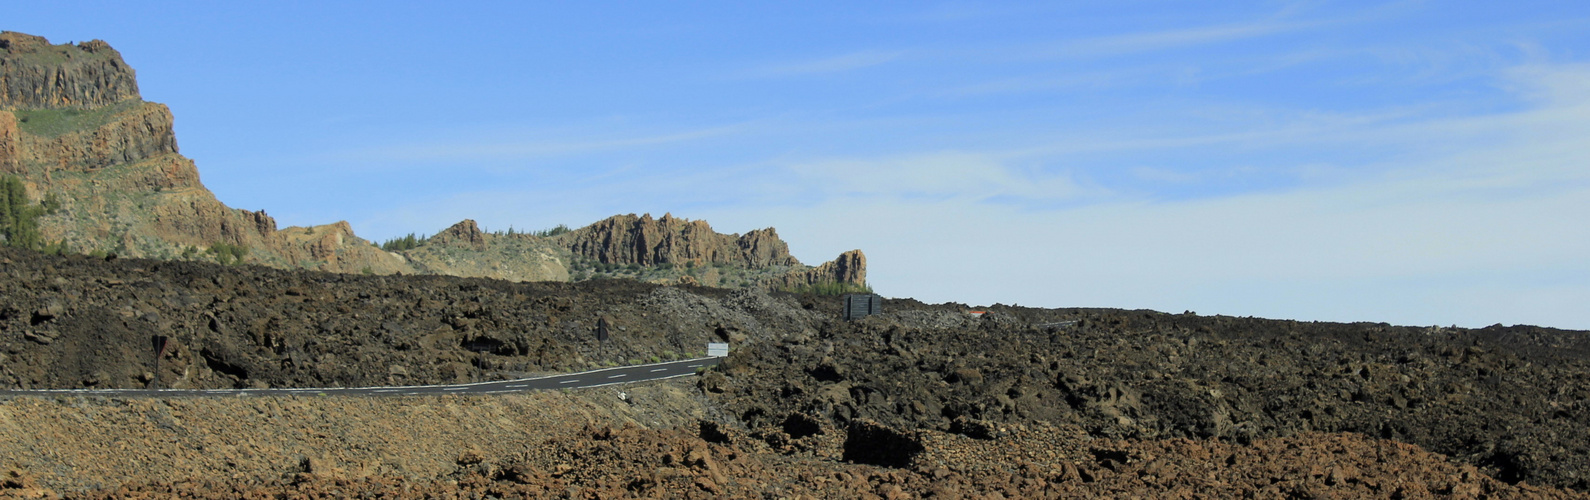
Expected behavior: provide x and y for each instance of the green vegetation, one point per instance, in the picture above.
(51, 203)
(545, 233)
(57, 122)
(228, 254)
(560, 229)
(409, 242)
(19, 220)
(829, 288)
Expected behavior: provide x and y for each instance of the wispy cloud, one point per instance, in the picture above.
(1161, 40)
(529, 146)
(962, 175)
(836, 64)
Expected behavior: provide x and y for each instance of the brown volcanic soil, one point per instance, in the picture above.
(590, 445)
(911, 399)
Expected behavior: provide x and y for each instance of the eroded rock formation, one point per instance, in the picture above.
(627, 239)
(37, 75)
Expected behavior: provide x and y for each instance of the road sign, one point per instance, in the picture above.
(858, 305)
(717, 349)
(160, 342)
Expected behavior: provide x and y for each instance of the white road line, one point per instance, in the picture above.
(695, 366)
(568, 381)
(454, 388)
(615, 376)
(517, 385)
(655, 370)
(386, 390)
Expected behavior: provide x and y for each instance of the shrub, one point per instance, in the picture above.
(227, 253)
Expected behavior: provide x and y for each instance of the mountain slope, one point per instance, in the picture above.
(75, 126)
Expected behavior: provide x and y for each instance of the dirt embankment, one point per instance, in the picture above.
(590, 444)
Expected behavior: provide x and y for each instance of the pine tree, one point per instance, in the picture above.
(19, 220)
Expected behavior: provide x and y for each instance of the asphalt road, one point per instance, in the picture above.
(593, 378)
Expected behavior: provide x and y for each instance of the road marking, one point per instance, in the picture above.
(386, 390)
(655, 370)
(454, 388)
(616, 376)
(695, 366)
(569, 381)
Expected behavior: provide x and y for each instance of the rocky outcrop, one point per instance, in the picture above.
(118, 135)
(37, 75)
(10, 145)
(627, 239)
(465, 233)
(850, 267)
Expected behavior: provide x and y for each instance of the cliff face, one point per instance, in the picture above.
(850, 267)
(627, 239)
(671, 241)
(120, 134)
(72, 125)
(37, 75)
(10, 145)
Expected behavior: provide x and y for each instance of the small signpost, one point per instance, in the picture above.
(160, 342)
(601, 330)
(717, 349)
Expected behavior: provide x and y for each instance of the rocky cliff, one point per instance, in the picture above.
(627, 239)
(850, 268)
(671, 242)
(73, 125)
(658, 250)
(37, 75)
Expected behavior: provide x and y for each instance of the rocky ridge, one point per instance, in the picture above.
(74, 126)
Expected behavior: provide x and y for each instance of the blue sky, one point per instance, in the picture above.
(1408, 162)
